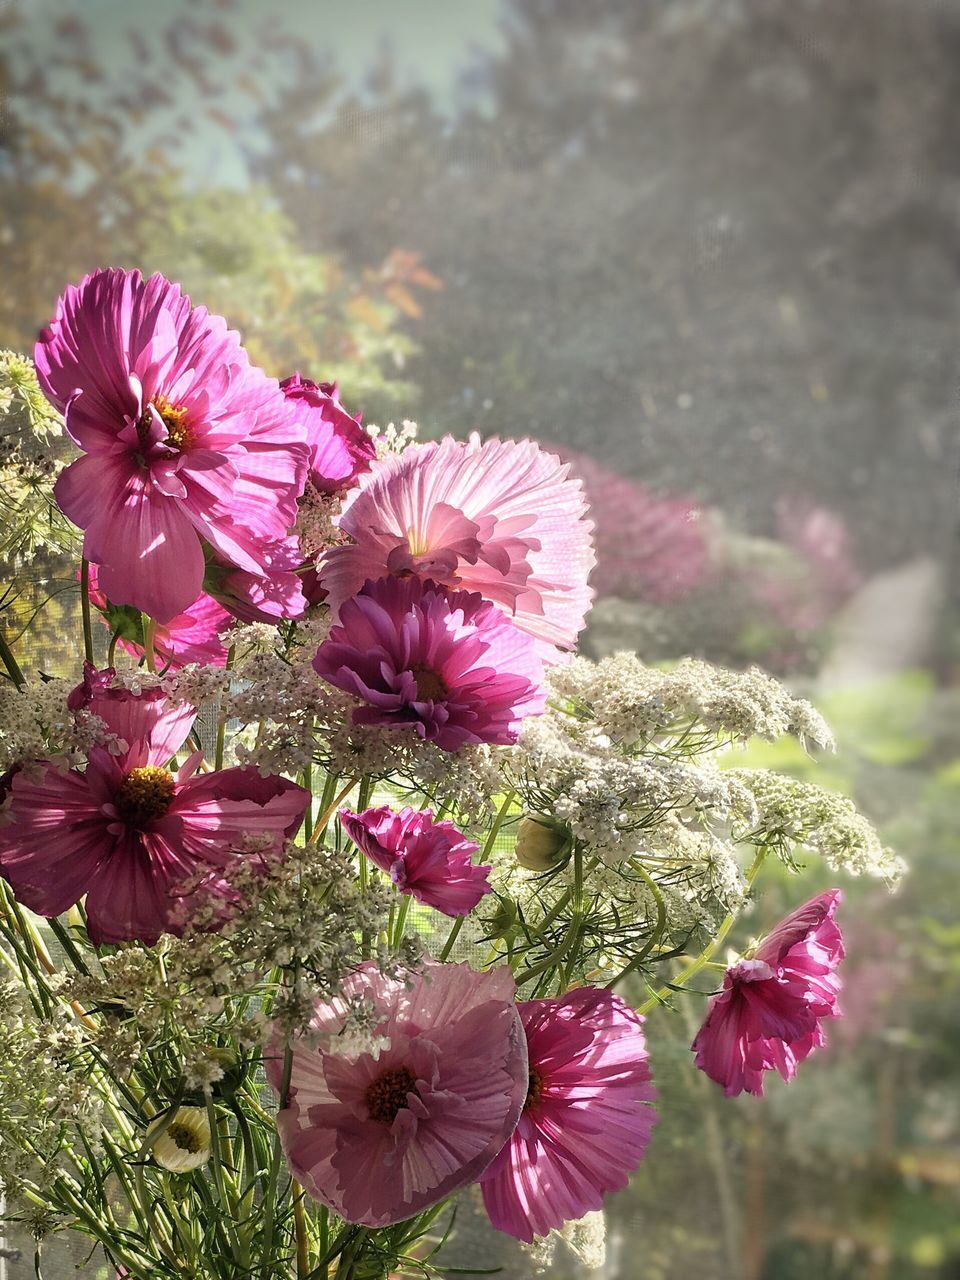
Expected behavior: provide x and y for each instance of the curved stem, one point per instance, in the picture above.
(10, 662)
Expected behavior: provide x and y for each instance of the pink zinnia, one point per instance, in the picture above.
(430, 860)
(447, 664)
(768, 1015)
(381, 1136)
(184, 441)
(192, 636)
(586, 1120)
(502, 518)
(127, 832)
(340, 449)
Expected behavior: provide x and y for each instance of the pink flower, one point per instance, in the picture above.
(184, 441)
(270, 596)
(340, 449)
(502, 518)
(649, 546)
(430, 860)
(380, 1136)
(585, 1123)
(126, 831)
(192, 636)
(447, 664)
(768, 1015)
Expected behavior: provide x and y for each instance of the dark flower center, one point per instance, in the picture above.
(174, 416)
(430, 686)
(534, 1087)
(184, 1137)
(144, 794)
(387, 1094)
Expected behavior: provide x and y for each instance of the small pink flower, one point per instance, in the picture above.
(430, 860)
(185, 443)
(192, 636)
(274, 594)
(127, 832)
(381, 1136)
(447, 664)
(586, 1120)
(768, 1015)
(340, 449)
(501, 517)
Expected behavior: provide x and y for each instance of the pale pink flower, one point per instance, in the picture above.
(340, 449)
(126, 832)
(587, 1117)
(430, 860)
(448, 665)
(768, 1015)
(184, 442)
(501, 517)
(381, 1136)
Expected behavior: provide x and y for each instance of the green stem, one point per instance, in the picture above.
(222, 723)
(85, 609)
(149, 643)
(707, 954)
(658, 930)
(10, 662)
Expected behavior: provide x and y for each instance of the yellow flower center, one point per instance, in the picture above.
(430, 686)
(184, 1137)
(387, 1094)
(534, 1087)
(179, 434)
(144, 794)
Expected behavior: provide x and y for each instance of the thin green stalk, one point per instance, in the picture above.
(222, 723)
(85, 610)
(708, 952)
(655, 936)
(10, 662)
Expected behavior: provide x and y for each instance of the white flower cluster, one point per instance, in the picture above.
(794, 815)
(35, 724)
(688, 708)
(317, 522)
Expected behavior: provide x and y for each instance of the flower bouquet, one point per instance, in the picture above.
(333, 882)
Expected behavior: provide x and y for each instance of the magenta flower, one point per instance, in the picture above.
(502, 518)
(270, 596)
(586, 1120)
(192, 636)
(447, 664)
(429, 860)
(340, 449)
(127, 832)
(768, 1015)
(184, 441)
(380, 1136)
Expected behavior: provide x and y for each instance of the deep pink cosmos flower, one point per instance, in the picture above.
(184, 441)
(768, 1015)
(340, 449)
(270, 596)
(192, 636)
(502, 518)
(381, 1136)
(126, 831)
(447, 664)
(430, 860)
(586, 1120)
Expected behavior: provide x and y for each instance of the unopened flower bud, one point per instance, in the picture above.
(184, 1143)
(540, 844)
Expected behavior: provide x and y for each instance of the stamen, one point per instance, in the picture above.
(184, 1137)
(431, 687)
(179, 434)
(144, 794)
(534, 1087)
(387, 1094)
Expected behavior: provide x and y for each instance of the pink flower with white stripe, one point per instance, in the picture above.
(587, 1117)
(432, 861)
(127, 832)
(184, 442)
(768, 1015)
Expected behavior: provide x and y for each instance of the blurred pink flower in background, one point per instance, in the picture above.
(380, 1136)
(649, 546)
(586, 1120)
(192, 636)
(183, 440)
(340, 449)
(449, 665)
(430, 860)
(126, 832)
(501, 517)
(768, 1015)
